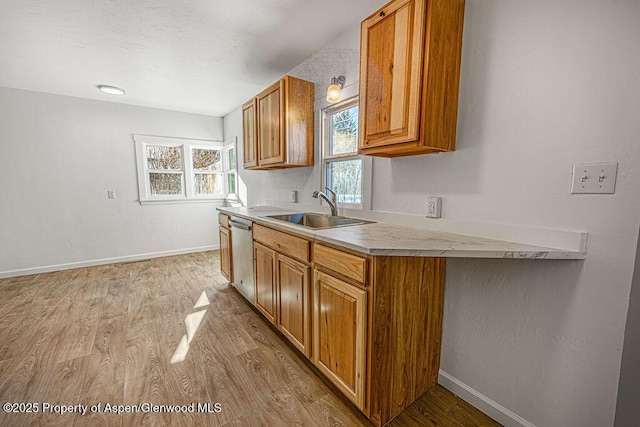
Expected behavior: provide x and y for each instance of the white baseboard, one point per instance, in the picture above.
(482, 402)
(103, 261)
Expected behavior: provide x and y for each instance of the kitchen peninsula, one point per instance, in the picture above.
(364, 302)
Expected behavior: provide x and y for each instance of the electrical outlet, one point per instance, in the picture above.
(111, 194)
(434, 207)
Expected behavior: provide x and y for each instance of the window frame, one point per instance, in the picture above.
(325, 149)
(230, 144)
(186, 147)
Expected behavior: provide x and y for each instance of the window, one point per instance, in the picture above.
(179, 170)
(343, 170)
(231, 182)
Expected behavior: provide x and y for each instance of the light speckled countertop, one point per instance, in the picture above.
(398, 240)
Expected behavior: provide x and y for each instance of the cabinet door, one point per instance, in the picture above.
(249, 142)
(293, 302)
(391, 63)
(225, 253)
(340, 326)
(265, 267)
(271, 125)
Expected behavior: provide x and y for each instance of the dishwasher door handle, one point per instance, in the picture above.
(239, 225)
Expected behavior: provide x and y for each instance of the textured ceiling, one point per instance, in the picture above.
(195, 56)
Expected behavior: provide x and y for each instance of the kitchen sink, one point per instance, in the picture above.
(314, 220)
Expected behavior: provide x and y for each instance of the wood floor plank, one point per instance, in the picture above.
(330, 410)
(109, 350)
(61, 385)
(469, 416)
(251, 419)
(226, 334)
(443, 398)
(224, 385)
(143, 356)
(91, 396)
(290, 367)
(77, 339)
(277, 398)
(429, 412)
(21, 381)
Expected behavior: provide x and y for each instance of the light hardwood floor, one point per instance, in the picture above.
(109, 334)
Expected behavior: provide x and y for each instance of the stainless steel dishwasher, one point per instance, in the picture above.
(242, 257)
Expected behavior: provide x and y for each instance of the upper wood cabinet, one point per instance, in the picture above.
(409, 77)
(249, 125)
(271, 125)
(279, 123)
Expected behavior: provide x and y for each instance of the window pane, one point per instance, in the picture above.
(207, 160)
(208, 183)
(161, 157)
(165, 183)
(344, 131)
(231, 182)
(345, 178)
(231, 154)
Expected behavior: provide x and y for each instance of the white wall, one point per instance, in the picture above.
(544, 85)
(59, 156)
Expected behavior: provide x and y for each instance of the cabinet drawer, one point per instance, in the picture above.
(223, 220)
(282, 242)
(351, 266)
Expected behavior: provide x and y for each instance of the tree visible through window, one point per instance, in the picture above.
(342, 164)
(164, 164)
(207, 171)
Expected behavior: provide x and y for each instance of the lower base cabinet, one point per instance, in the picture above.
(372, 325)
(294, 313)
(283, 284)
(265, 267)
(225, 247)
(340, 330)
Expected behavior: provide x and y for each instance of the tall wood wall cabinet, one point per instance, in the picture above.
(250, 132)
(278, 126)
(409, 77)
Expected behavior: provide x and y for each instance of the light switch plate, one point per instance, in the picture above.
(596, 178)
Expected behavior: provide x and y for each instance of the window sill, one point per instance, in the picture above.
(354, 207)
(219, 200)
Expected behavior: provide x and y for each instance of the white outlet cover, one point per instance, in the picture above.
(595, 178)
(434, 207)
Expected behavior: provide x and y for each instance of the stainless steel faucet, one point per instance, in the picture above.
(333, 202)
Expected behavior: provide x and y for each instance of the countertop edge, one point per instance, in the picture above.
(542, 253)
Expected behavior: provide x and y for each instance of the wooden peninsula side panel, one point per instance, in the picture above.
(405, 332)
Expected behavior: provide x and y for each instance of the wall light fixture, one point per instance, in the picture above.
(333, 91)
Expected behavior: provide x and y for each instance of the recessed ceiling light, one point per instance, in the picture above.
(111, 90)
